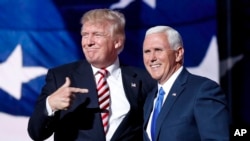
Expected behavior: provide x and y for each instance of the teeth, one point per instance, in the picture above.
(155, 66)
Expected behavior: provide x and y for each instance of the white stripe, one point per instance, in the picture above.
(102, 89)
(104, 104)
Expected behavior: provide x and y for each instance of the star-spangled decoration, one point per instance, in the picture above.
(14, 74)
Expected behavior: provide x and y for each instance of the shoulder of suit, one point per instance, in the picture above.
(71, 65)
(132, 69)
(201, 79)
(135, 72)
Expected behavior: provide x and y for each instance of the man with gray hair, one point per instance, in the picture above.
(182, 106)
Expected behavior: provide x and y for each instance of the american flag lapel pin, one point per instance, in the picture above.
(133, 84)
(174, 94)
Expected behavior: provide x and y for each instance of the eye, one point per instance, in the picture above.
(98, 34)
(158, 49)
(84, 35)
(146, 51)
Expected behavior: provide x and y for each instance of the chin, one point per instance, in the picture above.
(154, 77)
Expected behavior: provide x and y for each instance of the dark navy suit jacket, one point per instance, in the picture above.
(82, 121)
(195, 110)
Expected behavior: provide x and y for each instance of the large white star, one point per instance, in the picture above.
(209, 67)
(125, 3)
(13, 74)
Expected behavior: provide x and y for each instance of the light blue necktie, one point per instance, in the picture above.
(158, 105)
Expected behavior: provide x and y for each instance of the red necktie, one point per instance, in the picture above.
(103, 97)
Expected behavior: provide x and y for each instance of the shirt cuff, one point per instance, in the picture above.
(49, 110)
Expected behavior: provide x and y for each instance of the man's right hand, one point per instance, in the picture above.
(62, 98)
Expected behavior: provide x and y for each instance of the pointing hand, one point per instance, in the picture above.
(62, 98)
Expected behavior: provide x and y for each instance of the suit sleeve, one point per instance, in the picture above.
(211, 112)
(40, 125)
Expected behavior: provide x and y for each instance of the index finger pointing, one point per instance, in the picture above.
(78, 90)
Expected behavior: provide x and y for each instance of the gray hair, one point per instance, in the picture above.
(173, 36)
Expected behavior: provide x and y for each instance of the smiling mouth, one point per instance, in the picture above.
(91, 49)
(155, 66)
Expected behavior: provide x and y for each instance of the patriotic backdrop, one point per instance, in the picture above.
(36, 35)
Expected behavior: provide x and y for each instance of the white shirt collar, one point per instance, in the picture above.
(112, 69)
(168, 84)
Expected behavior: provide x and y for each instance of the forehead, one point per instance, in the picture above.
(94, 26)
(156, 36)
(155, 39)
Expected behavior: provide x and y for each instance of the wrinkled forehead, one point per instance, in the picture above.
(156, 40)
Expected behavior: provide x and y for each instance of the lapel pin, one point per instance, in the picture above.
(133, 85)
(174, 94)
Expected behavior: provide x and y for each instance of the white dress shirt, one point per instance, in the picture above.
(119, 103)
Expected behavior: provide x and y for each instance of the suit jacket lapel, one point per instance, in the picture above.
(148, 107)
(83, 77)
(130, 84)
(131, 88)
(173, 95)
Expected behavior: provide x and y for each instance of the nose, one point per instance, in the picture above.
(90, 41)
(153, 57)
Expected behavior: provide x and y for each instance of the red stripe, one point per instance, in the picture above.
(100, 94)
(103, 100)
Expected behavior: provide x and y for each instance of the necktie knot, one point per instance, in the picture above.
(103, 72)
(161, 92)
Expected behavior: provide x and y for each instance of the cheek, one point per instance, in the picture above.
(145, 58)
(83, 43)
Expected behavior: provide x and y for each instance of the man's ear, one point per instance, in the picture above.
(117, 44)
(179, 54)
